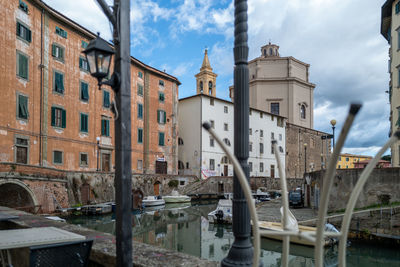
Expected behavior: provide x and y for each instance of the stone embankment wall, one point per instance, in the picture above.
(383, 186)
(51, 188)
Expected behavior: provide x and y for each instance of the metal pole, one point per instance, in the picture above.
(123, 194)
(305, 160)
(98, 152)
(333, 138)
(241, 252)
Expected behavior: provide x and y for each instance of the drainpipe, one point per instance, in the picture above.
(41, 89)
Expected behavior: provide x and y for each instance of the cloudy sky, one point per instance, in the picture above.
(340, 39)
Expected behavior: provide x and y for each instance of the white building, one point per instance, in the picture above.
(200, 155)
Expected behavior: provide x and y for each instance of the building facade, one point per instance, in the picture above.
(350, 161)
(390, 23)
(52, 112)
(200, 155)
(280, 85)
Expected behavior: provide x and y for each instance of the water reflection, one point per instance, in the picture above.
(186, 229)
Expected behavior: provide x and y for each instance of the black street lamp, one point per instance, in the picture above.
(98, 54)
(333, 123)
(241, 252)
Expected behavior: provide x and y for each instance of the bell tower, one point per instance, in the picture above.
(206, 78)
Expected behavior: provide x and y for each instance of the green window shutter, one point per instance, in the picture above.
(28, 35)
(53, 50)
(61, 53)
(103, 127)
(80, 63)
(62, 82)
(165, 116)
(140, 111)
(160, 139)
(22, 107)
(63, 118)
(158, 116)
(53, 116)
(18, 29)
(106, 99)
(140, 136)
(107, 128)
(84, 91)
(84, 123)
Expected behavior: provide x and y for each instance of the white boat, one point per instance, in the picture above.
(150, 201)
(223, 212)
(176, 198)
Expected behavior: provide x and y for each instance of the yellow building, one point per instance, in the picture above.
(346, 161)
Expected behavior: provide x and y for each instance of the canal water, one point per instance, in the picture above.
(186, 229)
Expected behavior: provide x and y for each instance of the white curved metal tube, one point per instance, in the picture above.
(285, 202)
(354, 196)
(246, 190)
(327, 184)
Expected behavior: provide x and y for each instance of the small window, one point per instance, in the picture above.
(211, 101)
(21, 150)
(272, 149)
(22, 66)
(303, 111)
(280, 137)
(140, 164)
(58, 117)
(211, 142)
(183, 182)
(250, 146)
(227, 142)
(140, 111)
(261, 167)
(23, 6)
(261, 115)
(61, 32)
(84, 119)
(161, 83)
(275, 108)
(140, 136)
(58, 81)
(212, 164)
(24, 32)
(140, 75)
(201, 87)
(84, 159)
(261, 133)
(347, 159)
(106, 99)
(250, 131)
(280, 149)
(251, 166)
(83, 64)
(161, 137)
(187, 167)
(180, 141)
(57, 157)
(161, 97)
(261, 148)
(397, 8)
(140, 89)
(22, 111)
(84, 95)
(225, 109)
(210, 88)
(212, 124)
(225, 127)
(161, 116)
(105, 127)
(272, 136)
(84, 44)
(57, 52)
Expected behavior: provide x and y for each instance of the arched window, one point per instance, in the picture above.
(180, 141)
(303, 111)
(270, 52)
(201, 86)
(210, 87)
(227, 142)
(180, 165)
(225, 160)
(265, 52)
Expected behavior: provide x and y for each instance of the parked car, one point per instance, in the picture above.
(296, 198)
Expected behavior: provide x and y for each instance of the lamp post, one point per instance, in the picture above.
(98, 54)
(333, 123)
(241, 252)
(305, 159)
(98, 151)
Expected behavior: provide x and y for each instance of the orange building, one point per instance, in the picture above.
(349, 161)
(51, 110)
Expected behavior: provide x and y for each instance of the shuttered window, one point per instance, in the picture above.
(22, 112)
(106, 99)
(105, 127)
(57, 51)
(161, 116)
(140, 75)
(83, 64)
(161, 97)
(84, 92)
(140, 89)
(57, 157)
(24, 32)
(22, 66)
(84, 122)
(140, 136)
(161, 139)
(23, 6)
(140, 111)
(58, 82)
(58, 117)
(61, 32)
(84, 44)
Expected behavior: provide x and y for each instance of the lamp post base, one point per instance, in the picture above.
(240, 254)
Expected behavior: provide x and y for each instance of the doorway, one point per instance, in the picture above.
(161, 167)
(105, 162)
(225, 170)
(156, 187)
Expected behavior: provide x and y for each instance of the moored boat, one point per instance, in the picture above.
(150, 201)
(176, 198)
(223, 212)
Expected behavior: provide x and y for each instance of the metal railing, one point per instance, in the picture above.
(319, 237)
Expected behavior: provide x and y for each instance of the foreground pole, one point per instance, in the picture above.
(241, 252)
(123, 168)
